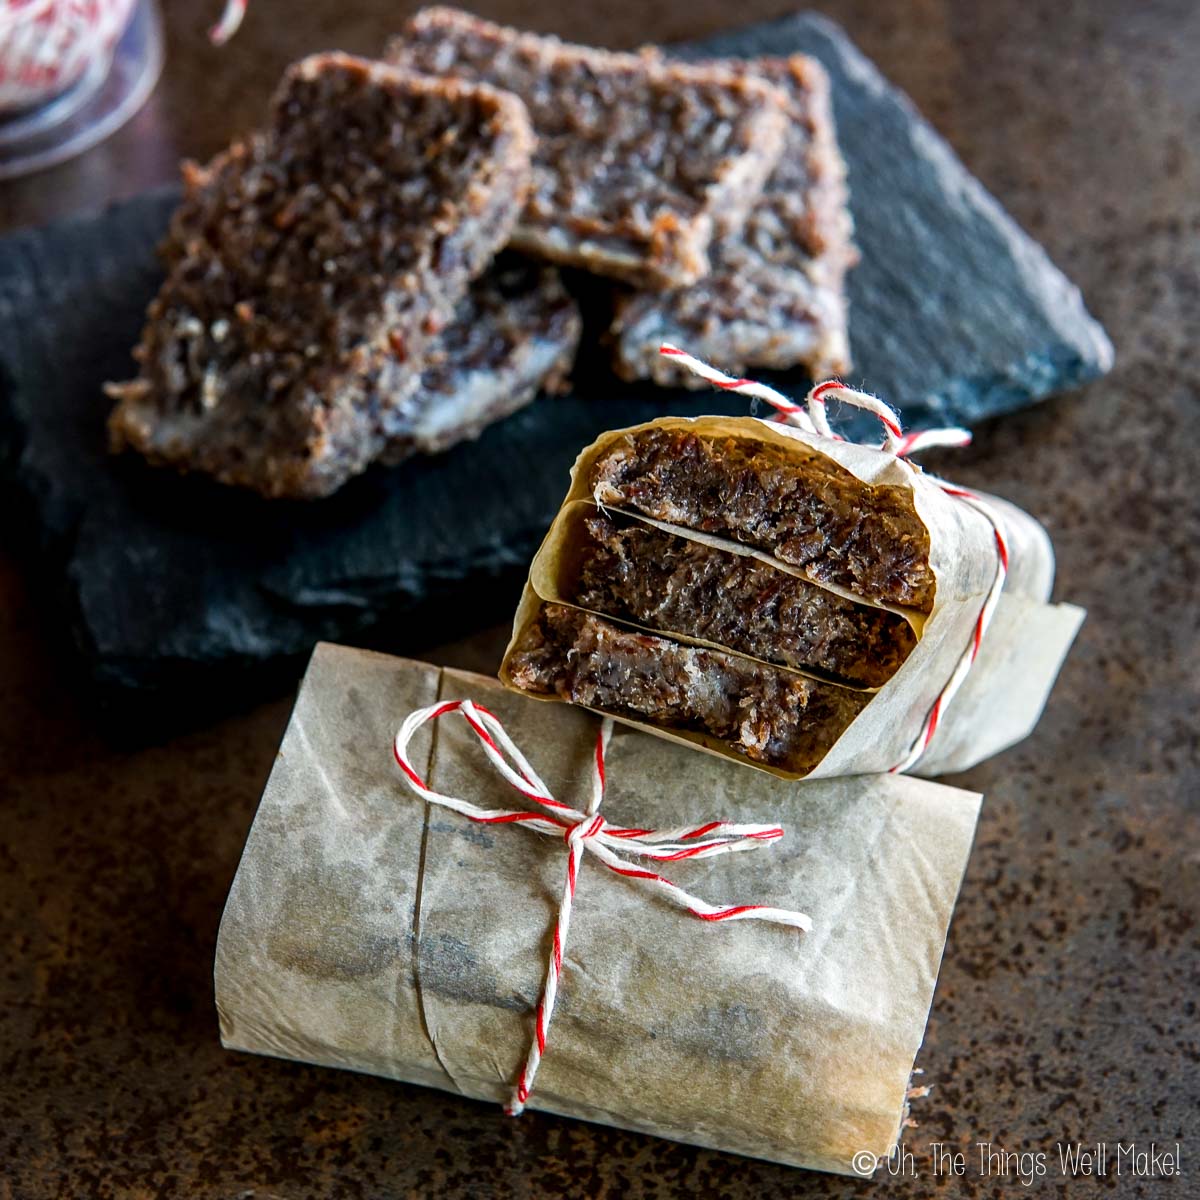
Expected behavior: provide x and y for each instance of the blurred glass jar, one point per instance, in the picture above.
(48, 46)
(71, 72)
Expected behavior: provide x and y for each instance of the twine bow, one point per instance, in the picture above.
(586, 832)
(813, 419)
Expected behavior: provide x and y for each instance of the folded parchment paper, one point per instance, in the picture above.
(365, 930)
(1019, 658)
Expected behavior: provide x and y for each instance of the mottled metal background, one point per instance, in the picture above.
(1067, 1005)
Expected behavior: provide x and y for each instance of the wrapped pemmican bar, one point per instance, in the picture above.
(799, 603)
(370, 931)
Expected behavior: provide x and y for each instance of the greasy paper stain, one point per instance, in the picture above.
(357, 716)
(472, 833)
(449, 969)
(728, 1032)
(323, 925)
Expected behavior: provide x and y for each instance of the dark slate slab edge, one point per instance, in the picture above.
(1037, 339)
(185, 595)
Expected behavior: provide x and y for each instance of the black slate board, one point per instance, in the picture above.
(176, 585)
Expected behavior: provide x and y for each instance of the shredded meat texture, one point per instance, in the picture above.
(310, 267)
(797, 505)
(676, 585)
(638, 163)
(775, 297)
(769, 715)
(513, 336)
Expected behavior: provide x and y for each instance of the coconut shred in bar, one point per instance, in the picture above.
(638, 162)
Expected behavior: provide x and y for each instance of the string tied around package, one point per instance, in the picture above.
(616, 847)
(812, 417)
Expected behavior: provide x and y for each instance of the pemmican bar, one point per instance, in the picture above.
(797, 505)
(513, 335)
(638, 162)
(311, 266)
(775, 296)
(764, 713)
(675, 584)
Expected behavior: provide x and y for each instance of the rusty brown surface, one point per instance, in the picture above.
(1067, 1004)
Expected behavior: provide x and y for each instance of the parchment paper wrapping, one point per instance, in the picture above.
(1020, 657)
(365, 930)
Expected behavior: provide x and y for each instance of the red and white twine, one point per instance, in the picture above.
(586, 832)
(813, 419)
(231, 19)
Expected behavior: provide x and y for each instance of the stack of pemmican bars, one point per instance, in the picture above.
(789, 600)
(334, 296)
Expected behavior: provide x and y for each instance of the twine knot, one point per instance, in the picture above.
(579, 832)
(588, 832)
